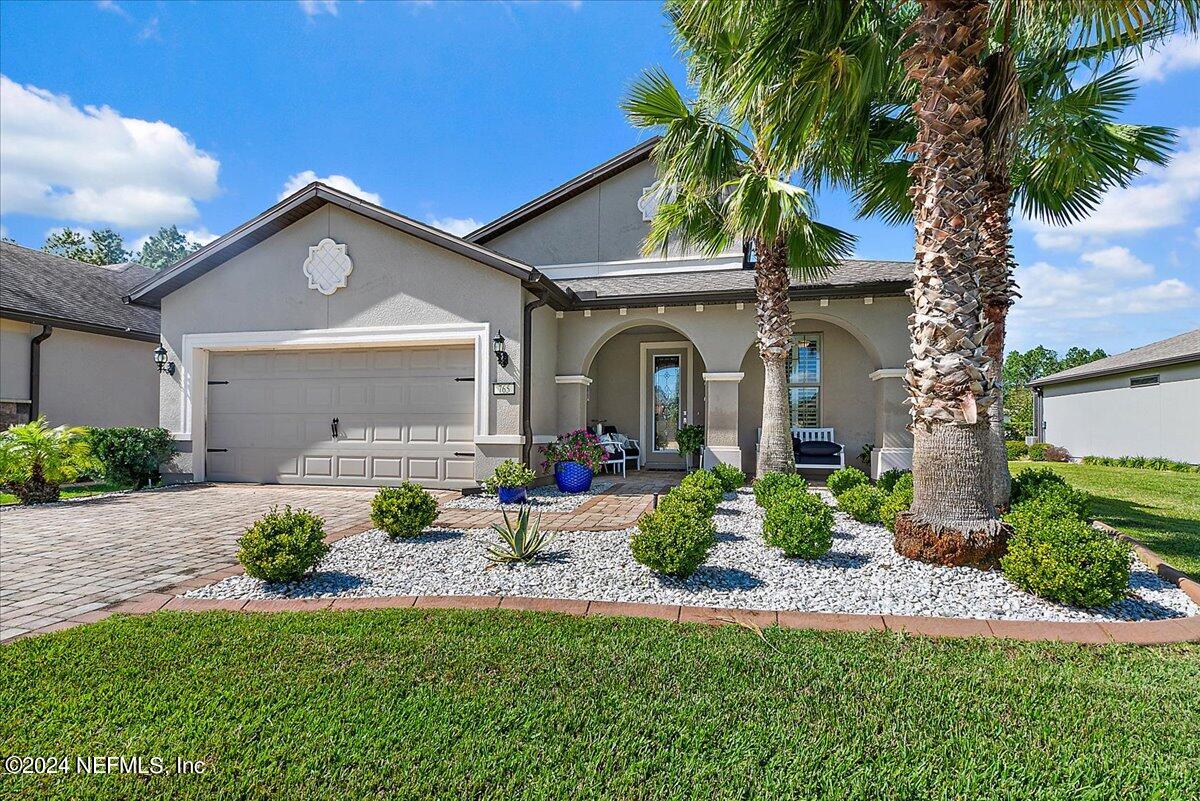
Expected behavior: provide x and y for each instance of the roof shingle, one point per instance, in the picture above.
(1184, 347)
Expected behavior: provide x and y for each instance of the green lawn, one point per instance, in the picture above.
(458, 704)
(1160, 508)
(72, 492)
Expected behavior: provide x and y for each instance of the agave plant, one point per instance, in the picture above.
(520, 543)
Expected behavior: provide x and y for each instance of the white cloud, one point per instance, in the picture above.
(1117, 263)
(92, 165)
(459, 226)
(1162, 198)
(112, 7)
(1177, 54)
(314, 8)
(149, 30)
(199, 236)
(340, 182)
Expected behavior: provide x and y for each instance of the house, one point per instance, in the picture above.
(70, 349)
(332, 341)
(1144, 402)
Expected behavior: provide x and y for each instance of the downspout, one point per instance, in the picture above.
(35, 370)
(526, 368)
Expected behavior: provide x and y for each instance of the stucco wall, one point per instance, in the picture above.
(544, 392)
(1106, 417)
(397, 280)
(14, 359)
(847, 392)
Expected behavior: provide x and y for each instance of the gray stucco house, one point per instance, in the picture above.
(70, 349)
(332, 341)
(1144, 402)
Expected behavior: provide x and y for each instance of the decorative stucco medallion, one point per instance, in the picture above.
(652, 197)
(327, 266)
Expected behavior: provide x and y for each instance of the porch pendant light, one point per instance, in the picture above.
(160, 359)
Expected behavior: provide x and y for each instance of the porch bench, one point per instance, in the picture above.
(814, 449)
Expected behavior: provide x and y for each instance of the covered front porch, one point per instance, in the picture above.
(644, 374)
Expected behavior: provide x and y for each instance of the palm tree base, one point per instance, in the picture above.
(943, 545)
(33, 492)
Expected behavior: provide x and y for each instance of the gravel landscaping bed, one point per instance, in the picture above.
(862, 574)
(542, 499)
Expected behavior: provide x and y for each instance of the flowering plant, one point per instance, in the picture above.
(580, 446)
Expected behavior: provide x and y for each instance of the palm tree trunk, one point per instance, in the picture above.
(773, 316)
(999, 290)
(952, 519)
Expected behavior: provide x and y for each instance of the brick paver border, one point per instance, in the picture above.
(1145, 632)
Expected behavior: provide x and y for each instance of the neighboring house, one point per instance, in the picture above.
(70, 349)
(332, 341)
(1144, 402)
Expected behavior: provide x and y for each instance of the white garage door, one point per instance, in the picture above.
(402, 414)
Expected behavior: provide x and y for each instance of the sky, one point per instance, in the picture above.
(134, 115)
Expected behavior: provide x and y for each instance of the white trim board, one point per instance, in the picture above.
(196, 348)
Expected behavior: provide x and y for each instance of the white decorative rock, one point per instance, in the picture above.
(327, 266)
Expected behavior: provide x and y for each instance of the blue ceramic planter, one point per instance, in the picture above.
(572, 477)
(511, 494)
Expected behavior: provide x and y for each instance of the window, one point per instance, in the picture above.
(804, 381)
(1144, 381)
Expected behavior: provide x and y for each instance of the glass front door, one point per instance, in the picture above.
(667, 391)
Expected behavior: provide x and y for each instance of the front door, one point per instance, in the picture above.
(666, 400)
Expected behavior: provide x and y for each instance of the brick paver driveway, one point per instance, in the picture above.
(67, 559)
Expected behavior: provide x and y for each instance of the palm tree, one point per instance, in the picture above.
(36, 459)
(722, 182)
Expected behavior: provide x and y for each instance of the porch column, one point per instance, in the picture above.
(572, 401)
(893, 440)
(721, 419)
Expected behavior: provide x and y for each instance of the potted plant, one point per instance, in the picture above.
(509, 481)
(691, 440)
(575, 457)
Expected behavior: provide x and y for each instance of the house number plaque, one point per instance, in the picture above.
(504, 388)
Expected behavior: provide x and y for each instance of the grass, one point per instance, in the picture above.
(83, 491)
(460, 704)
(1160, 508)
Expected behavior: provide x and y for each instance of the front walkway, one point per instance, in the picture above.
(65, 562)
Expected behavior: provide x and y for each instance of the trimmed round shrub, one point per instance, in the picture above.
(841, 480)
(283, 546)
(1037, 451)
(706, 481)
(800, 523)
(1054, 453)
(1016, 449)
(673, 539)
(767, 488)
(732, 478)
(131, 455)
(1030, 483)
(509, 473)
(403, 511)
(1064, 559)
(905, 482)
(898, 501)
(887, 481)
(700, 500)
(862, 502)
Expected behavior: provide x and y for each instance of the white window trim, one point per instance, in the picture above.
(196, 348)
(644, 363)
(820, 382)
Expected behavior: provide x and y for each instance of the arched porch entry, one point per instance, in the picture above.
(647, 380)
(832, 384)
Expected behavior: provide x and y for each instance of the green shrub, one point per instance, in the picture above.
(887, 481)
(773, 484)
(905, 482)
(862, 502)
(732, 478)
(509, 473)
(841, 480)
(690, 440)
(1064, 559)
(1143, 463)
(898, 501)
(1017, 449)
(1029, 483)
(35, 459)
(403, 511)
(707, 481)
(1037, 451)
(700, 499)
(800, 523)
(673, 539)
(131, 455)
(1056, 454)
(283, 546)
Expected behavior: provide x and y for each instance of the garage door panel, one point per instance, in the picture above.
(401, 416)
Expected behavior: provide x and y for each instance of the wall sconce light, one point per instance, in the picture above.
(160, 359)
(498, 349)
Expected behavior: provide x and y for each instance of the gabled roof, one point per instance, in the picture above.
(1177, 349)
(563, 193)
(305, 202)
(39, 287)
(851, 278)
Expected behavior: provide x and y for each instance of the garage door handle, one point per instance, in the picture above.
(463, 453)
(333, 427)
(469, 378)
